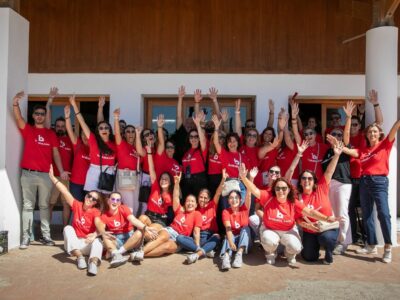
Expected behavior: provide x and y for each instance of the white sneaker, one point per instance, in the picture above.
(270, 257)
(387, 256)
(137, 255)
(339, 249)
(226, 262)
(210, 254)
(92, 269)
(192, 258)
(367, 250)
(238, 261)
(291, 259)
(81, 262)
(117, 260)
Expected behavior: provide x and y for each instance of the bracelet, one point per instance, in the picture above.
(144, 228)
(237, 112)
(66, 118)
(271, 113)
(327, 218)
(376, 105)
(56, 182)
(149, 153)
(294, 121)
(77, 113)
(15, 105)
(299, 155)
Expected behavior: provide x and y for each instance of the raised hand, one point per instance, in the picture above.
(197, 96)
(138, 130)
(217, 122)
(213, 92)
(225, 174)
(295, 109)
(338, 149)
(271, 105)
(199, 118)
(102, 101)
(282, 119)
(373, 97)
(117, 113)
(237, 106)
(72, 101)
(332, 140)
(177, 178)
(253, 173)
(224, 115)
(160, 120)
(53, 92)
(152, 232)
(303, 147)
(18, 97)
(242, 170)
(67, 111)
(181, 91)
(348, 109)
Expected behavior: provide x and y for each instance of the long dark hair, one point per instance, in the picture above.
(234, 135)
(171, 182)
(105, 207)
(265, 130)
(291, 195)
(300, 188)
(100, 143)
(188, 146)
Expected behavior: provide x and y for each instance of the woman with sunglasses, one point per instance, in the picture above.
(80, 238)
(128, 160)
(187, 220)
(102, 150)
(312, 158)
(115, 225)
(194, 160)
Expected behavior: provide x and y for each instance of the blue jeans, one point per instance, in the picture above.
(313, 241)
(240, 240)
(374, 189)
(77, 191)
(122, 238)
(208, 242)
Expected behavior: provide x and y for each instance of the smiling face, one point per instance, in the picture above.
(251, 138)
(234, 199)
(355, 127)
(194, 139)
(165, 181)
(373, 135)
(130, 134)
(309, 135)
(312, 123)
(148, 137)
(39, 116)
(91, 199)
(307, 182)
(204, 198)
(232, 144)
(338, 134)
(273, 174)
(114, 201)
(104, 131)
(281, 191)
(190, 203)
(268, 136)
(169, 149)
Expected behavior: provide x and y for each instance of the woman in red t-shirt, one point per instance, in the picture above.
(187, 221)
(194, 160)
(374, 185)
(116, 227)
(128, 160)
(214, 162)
(81, 238)
(102, 150)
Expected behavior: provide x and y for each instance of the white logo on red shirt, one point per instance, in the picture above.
(215, 156)
(237, 225)
(160, 202)
(62, 144)
(204, 218)
(279, 215)
(236, 161)
(83, 221)
(310, 206)
(116, 223)
(40, 138)
(183, 219)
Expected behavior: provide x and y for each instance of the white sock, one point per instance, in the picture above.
(122, 250)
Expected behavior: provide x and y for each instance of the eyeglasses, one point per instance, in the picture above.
(91, 197)
(336, 134)
(37, 113)
(170, 147)
(308, 133)
(115, 200)
(193, 136)
(274, 172)
(281, 188)
(252, 135)
(354, 124)
(222, 137)
(251, 126)
(234, 197)
(104, 128)
(307, 178)
(147, 134)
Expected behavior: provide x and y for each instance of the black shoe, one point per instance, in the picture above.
(47, 241)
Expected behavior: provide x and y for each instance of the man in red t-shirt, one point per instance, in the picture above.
(39, 151)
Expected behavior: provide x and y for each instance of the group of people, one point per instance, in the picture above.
(206, 186)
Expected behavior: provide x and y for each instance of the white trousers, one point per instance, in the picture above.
(72, 242)
(270, 240)
(339, 195)
(130, 197)
(254, 223)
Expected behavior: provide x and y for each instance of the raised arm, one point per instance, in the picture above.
(300, 150)
(225, 120)
(197, 120)
(179, 107)
(238, 121)
(295, 128)
(176, 192)
(286, 134)
(271, 146)
(100, 109)
(250, 186)
(152, 170)
(57, 160)
(393, 131)
(218, 192)
(197, 99)
(61, 187)
(52, 94)
(217, 123)
(348, 109)
(373, 99)
(271, 115)
(160, 134)
(252, 174)
(213, 93)
(138, 142)
(79, 116)
(68, 124)
(337, 149)
(17, 111)
(117, 128)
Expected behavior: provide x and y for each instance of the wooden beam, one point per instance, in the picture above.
(391, 7)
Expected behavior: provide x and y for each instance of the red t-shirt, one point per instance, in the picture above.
(81, 162)
(145, 161)
(38, 148)
(184, 222)
(118, 223)
(266, 163)
(318, 200)
(158, 202)
(358, 141)
(83, 221)
(65, 150)
(251, 155)
(313, 157)
(285, 158)
(193, 158)
(214, 164)
(127, 156)
(238, 219)
(231, 162)
(163, 163)
(318, 137)
(107, 159)
(209, 216)
(279, 216)
(375, 160)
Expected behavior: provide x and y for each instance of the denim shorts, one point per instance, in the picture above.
(172, 233)
(122, 238)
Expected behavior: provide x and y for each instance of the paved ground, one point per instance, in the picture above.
(48, 273)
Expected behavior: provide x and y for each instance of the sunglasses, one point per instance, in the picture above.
(115, 200)
(104, 128)
(36, 113)
(335, 118)
(354, 124)
(147, 134)
(336, 134)
(193, 136)
(129, 131)
(308, 133)
(252, 135)
(170, 147)
(250, 126)
(307, 178)
(274, 172)
(281, 188)
(91, 197)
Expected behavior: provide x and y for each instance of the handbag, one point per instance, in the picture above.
(324, 226)
(144, 191)
(232, 184)
(106, 181)
(128, 179)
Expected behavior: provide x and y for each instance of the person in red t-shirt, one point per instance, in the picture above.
(81, 238)
(81, 161)
(41, 147)
(374, 185)
(209, 237)
(116, 227)
(102, 150)
(215, 163)
(128, 163)
(187, 220)
(236, 222)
